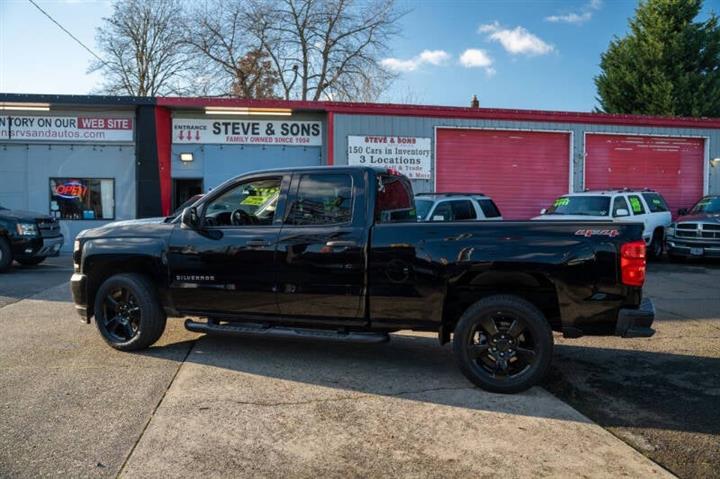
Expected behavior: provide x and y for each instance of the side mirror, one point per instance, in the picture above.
(621, 212)
(189, 218)
(682, 211)
(543, 211)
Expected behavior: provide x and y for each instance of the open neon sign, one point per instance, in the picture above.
(71, 190)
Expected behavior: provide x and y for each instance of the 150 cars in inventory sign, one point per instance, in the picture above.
(65, 128)
(411, 156)
(247, 132)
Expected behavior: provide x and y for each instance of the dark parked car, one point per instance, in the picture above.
(27, 237)
(696, 233)
(338, 254)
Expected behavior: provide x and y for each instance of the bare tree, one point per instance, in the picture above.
(143, 49)
(326, 49)
(226, 53)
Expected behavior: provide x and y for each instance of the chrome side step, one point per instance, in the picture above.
(283, 332)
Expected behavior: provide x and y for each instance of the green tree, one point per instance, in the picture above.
(668, 64)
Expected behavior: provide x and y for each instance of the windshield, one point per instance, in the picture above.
(422, 208)
(709, 204)
(580, 205)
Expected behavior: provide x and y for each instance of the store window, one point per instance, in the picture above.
(82, 198)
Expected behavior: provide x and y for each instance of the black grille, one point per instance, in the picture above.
(698, 230)
(48, 227)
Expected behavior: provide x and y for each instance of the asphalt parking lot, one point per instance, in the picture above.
(218, 407)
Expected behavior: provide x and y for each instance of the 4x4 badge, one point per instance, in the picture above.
(590, 232)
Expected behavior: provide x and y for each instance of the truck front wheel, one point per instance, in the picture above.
(128, 313)
(503, 344)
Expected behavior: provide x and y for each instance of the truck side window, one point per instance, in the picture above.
(395, 201)
(619, 203)
(322, 200)
(463, 210)
(636, 205)
(251, 203)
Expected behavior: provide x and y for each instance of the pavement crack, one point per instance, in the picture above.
(152, 414)
(339, 398)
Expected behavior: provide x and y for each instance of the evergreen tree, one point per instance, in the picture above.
(668, 64)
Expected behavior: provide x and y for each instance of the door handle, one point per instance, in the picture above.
(256, 243)
(340, 244)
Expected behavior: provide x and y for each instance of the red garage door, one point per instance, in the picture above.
(672, 166)
(522, 171)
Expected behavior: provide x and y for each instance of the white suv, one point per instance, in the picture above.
(622, 206)
(455, 207)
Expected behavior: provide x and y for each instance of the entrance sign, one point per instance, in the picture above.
(411, 156)
(247, 132)
(65, 128)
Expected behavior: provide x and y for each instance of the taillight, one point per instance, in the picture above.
(632, 263)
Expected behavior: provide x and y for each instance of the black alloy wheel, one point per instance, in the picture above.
(503, 344)
(128, 314)
(121, 315)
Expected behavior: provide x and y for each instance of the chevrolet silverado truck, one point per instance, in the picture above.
(27, 237)
(337, 254)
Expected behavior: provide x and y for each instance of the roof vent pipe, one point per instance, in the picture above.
(474, 103)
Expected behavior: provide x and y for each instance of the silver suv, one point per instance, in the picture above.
(455, 207)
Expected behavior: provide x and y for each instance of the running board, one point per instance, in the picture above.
(282, 332)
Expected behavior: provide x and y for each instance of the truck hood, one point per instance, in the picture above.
(705, 217)
(579, 218)
(131, 230)
(140, 221)
(23, 215)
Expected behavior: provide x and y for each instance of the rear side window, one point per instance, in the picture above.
(394, 201)
(489, 209)
(655, 202)
(463, 210)
(636, 205)
(619, 203)
(442, 212)
(322, 200)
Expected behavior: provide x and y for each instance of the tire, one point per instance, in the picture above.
(655, 249)
(128, 314)
(520, 329)
(6, 258)
(31, 261)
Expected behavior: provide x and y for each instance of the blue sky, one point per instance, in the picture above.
(539, 54)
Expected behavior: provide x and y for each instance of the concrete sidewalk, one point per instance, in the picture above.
(272, 409)
(214, 407)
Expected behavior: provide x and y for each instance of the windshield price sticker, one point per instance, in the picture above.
(561, 202)
(635, 205)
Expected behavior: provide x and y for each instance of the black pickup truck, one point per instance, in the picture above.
(27, 237)
(336, 253)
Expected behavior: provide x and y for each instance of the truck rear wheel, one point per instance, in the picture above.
(5, 255)
(503, 344)
(128, 313)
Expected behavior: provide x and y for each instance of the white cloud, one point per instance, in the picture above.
(577, 18)
(432, 57)
(516, 41)
(476, 58)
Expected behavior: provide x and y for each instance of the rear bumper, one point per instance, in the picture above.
(78, 287)
(636, 323)
(32, 247)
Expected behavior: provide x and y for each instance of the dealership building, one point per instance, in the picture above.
(88, 160)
